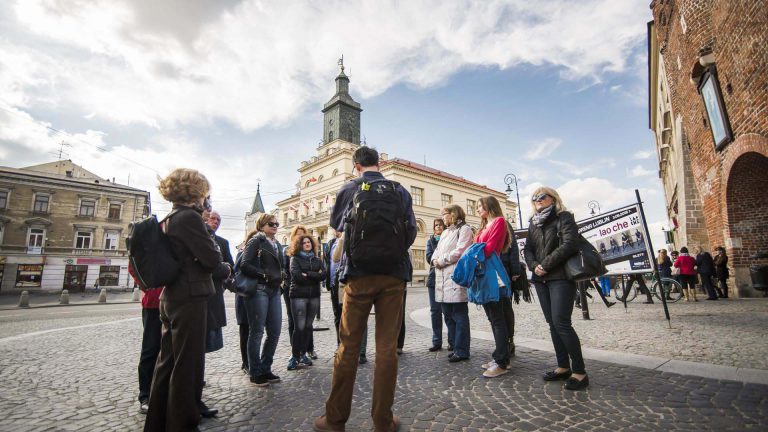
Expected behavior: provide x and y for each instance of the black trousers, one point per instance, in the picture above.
(495, 313)
(291, 326)
(336, 311)
(556, 300)
(509, 319)
(244, 328)
(150, 348)
(401, 336)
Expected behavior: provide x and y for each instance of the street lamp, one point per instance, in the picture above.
(509, 179)
(592, 205)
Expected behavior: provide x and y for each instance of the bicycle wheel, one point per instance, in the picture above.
(672, 288)
(620, 288)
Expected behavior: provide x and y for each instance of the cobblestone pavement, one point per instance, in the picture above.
(728, 332)
(85, 379)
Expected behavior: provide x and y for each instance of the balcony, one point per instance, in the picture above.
(61, 251)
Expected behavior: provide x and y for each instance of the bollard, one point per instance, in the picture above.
(136, 295)
(103, 296)
(24, 299)
(64, 297)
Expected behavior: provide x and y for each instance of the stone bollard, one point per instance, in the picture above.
(136, 295)
(103, 296)
(64, 297)
(24, 299)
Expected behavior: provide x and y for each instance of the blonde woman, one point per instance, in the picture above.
(452, 298)
(552, 239)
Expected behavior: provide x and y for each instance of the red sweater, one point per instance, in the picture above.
(150, 298)
(493, 235)
(686, 265)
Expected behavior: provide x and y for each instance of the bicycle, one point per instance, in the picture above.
(672, 288)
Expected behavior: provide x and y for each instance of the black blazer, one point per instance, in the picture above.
(267, 266)
(217, 315)
(306, 286)
(196, 253)
(544, 246)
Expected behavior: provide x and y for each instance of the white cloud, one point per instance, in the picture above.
(643, 154)
(129, 61)
(543, 148)
(640, 171)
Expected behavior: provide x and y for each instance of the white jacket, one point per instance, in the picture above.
(453, 242)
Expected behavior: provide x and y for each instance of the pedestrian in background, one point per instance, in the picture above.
(705, 267)
(721, 270)
(552, 239)
(307, 271)
(173, 405)
(288, 252)
(451, 296)
(150, 339)
(240, 314)
(687, 266)
(331, 283)
(665, 269)
(435, 311)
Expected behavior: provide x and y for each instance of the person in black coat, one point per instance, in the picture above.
(296, 231)
(307, 271)
(173, 401)
(721, 270)
(435, 309)
(552, 239)
(705, 267)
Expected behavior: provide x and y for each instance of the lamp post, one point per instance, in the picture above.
(508, 180)
(592, 205)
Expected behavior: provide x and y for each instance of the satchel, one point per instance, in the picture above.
(244, 285)
(584, 264)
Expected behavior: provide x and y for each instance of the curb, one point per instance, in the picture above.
(680, 367)
(16, 308)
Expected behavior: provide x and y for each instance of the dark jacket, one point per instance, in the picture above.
(263, 262)
(721, 267)
(431, 246)
(196, 253)
(665, 268)
(705, 264)
(511, 257)
(544, 246)
(344, 201)
(306, 286)
(217, 315)
(327, 262)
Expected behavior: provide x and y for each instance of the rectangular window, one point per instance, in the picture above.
(418, 195)
(319, 206)
(87, 208)
(41, 203)
(109, 275)
(285, 218)
(446, 200)
(83, 239)
(29, 275)
(419, 259)
(111, 240)
(115, 210)
(3, 199)
(471, 204)
(35, 237)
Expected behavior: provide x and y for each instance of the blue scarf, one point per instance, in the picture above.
(307, 254)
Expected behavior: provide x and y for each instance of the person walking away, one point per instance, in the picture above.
(687, 264)
(307, 271)
(451, 296)
(150, 340)
(705, 266)
(262, 260)
(435, 311)
(183, 306)
(721, 271)
(605, 285)
(552, 239)
(373, 279)
(665, 269)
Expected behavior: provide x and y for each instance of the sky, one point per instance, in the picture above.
(553, 91)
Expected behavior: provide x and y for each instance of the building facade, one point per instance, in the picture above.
(321, 176)
(709, 111)
(63, 227)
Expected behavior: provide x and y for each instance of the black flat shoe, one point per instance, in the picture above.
(435, 348)
(575, 384)
(456, 359)
(554, 376)
(206, 412)
(450, 347)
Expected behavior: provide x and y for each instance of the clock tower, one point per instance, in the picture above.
(341, 118)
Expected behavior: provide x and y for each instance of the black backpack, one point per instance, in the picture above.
(150, 254)
(374, 230)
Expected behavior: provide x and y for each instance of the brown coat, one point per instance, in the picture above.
(197, 254)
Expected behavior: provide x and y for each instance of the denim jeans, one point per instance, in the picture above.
(303, 311)
(457, 320)
(495, 313)
(556, 299)
(435, 312)
(264, 312)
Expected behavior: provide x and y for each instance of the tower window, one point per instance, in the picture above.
(330, 136)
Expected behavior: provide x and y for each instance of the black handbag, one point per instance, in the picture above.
(244, 285)
(584, 264)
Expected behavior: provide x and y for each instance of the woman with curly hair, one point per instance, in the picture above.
(288, 252)
(307, 270)
(173, 399)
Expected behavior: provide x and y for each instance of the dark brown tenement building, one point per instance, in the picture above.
(708, 106)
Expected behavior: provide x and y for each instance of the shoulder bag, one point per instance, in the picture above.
(584, 264)
(244, 285)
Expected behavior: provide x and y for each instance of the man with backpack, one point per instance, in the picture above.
(379, 226)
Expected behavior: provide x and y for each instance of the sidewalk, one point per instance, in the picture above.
(36, 300)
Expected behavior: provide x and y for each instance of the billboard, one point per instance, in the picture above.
(618, 235)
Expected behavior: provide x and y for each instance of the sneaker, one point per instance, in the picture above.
(313, 355)
(305, 361)
(293, 364)
(272, 378)
(363, 359)
(488, 365)
(260, 381)
(495, 371)
(143, 407)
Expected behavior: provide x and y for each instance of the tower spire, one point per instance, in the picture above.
(341, 113)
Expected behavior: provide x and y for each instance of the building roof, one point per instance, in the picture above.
(44, 172)
(433, 171)
(258, 204)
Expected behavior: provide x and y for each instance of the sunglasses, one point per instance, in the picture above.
(273, 224)
(539, 198)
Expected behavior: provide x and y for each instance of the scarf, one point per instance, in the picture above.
(539, 218)
(307, 254)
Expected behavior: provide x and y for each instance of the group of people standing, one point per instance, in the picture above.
(688, 270)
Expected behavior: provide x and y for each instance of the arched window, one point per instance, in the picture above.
(335, 173)
(319, 179)
(420, 226)
(330, 136)
(306, 185)
(285, 241)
